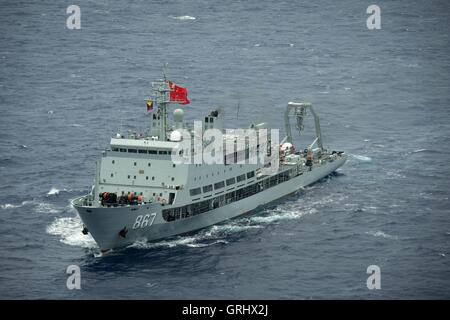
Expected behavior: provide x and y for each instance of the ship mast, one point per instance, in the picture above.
(161, 96)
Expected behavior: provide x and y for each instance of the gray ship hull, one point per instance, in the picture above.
(105, 223)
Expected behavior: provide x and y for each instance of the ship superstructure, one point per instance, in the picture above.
(141, 193)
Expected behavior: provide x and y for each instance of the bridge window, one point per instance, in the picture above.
(207, 188)
(152, 152)
(231, 181)
(123, 150)
(195, 191)
(132, 150)
(250, 174)
(142, 151)
(219, 185)
(241, 178)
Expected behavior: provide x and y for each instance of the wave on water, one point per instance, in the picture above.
(361, 158)
(69, 231)
(53, 191)
(423, 150)
(279, 214)
(183, 18)
(36, 206)
(14, 206)
(44, 207)
(381, 234)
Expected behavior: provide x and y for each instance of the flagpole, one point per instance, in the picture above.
(165, 99)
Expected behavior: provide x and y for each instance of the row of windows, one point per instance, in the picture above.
(221, 184)
(214, 203)
(145, 151)
(146, 178)
(148, 164)
(212, 174)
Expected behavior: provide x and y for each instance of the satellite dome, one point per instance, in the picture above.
(178, 115)
(175, 136)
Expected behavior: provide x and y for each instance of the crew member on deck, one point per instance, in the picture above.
(309, 159)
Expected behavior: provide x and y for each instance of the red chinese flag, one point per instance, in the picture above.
(178, 94)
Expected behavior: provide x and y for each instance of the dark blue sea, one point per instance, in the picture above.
(383, 97)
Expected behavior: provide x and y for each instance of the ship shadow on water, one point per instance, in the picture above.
(194, 249)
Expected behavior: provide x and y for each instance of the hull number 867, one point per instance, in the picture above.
(143, 221)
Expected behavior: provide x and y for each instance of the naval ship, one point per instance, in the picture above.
(140, 193)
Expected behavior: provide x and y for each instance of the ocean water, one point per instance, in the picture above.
(383, 96)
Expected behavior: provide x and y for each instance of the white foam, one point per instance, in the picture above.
(44, 207)
(280, 214)
(395, 174)
(202, 245)
(69, 231)
(182, 18)
(362, 158)
(9, 206)
(143, 244)
(419, 150)
(381, 234)
(53, 191)
(229, 228)
(13, 206)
